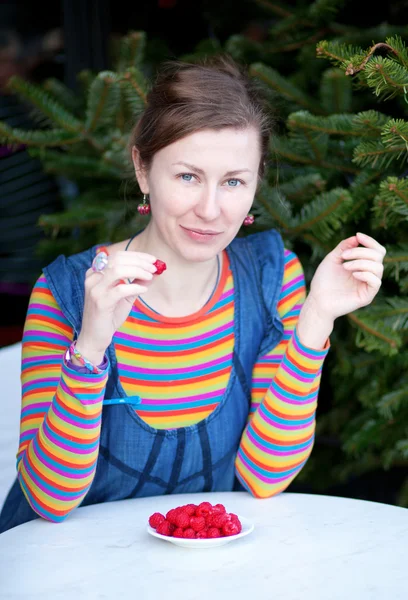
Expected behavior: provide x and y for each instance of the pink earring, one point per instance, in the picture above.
(144, 208)
(249, 220)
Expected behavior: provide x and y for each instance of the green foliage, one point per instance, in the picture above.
(85, 139)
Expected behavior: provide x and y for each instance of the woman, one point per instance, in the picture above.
(204, 377)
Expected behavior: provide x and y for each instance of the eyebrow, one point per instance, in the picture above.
(201, 172)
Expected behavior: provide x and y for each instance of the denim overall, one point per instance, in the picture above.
(136, 460)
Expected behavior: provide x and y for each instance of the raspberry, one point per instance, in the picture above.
(182, 520)
(190, 509)
(160, 266)
(234, 519)
(219, 508)
(203, 509)
(155, 519)
(201, 535)
(165, 528)
(178, 532)
(197, 523)
(214, 532)
(189, 533)
(218, 520)
(171, 516)
(230, 528)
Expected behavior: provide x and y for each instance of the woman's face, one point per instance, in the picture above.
(201, 189)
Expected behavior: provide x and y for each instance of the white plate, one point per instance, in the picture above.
(247, 527)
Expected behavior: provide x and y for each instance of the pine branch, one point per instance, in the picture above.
(71, 165)
(103, 101)
(132, 50)
(376, 155)
(135, 89)
(394, 45)
(398, 45)
(369, 123)
(63, 95)
(402, 445)
(324, 215)
(287, 150)
(335, 91)
(331, 125)
(391, 312)
(85, 79)
(299, 40)
(357, 63)
(394, 132)
(284, 28)
(303, 187)
(391, 203)
(338, 54)
(47, 105)
(281, 85)
(372, 335)
(363, 192)
(48, 138)
(270, 202)
(386, 77)
(396, 261)
(323, 10)
(390, 404)
(240, 47)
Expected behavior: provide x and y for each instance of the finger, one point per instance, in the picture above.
(363, 253)
(129, 290)
(370, 242)
(365, 265)
(113, 276)
(129, 257)
(111, 297)
(93, 278)
(370, 279)
(117, 262)
(346, 244)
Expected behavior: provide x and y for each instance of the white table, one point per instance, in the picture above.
(303, 547)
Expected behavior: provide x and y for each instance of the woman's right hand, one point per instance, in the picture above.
(108, 301)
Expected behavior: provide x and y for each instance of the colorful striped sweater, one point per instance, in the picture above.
(61, 407)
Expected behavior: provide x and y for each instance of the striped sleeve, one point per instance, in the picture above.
(60, 414)
(279, 436)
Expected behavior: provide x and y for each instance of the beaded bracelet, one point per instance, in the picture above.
(72, 351)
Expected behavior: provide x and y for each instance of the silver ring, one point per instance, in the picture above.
(100, 262)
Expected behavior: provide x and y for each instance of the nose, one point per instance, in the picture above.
(208, 206)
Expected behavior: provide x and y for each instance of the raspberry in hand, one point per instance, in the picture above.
(160, 266)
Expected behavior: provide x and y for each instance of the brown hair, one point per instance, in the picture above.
(188, 97)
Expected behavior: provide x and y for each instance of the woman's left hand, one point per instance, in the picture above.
(349, 277)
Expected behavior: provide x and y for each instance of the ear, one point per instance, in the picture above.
(140, 171)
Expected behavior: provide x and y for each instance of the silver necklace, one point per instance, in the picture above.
(211, 295)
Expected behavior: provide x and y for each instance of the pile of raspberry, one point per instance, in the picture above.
(196, 521)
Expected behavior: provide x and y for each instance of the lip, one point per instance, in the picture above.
(202, 231)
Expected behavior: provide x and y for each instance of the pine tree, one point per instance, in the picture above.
(337, 166)
(83, 139)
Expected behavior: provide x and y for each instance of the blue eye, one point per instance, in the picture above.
(187, 175)
(237, 181)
